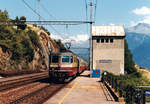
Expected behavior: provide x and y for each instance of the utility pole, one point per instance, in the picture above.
(90, 41)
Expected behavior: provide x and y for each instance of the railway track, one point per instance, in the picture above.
(39, 96)
(11, 82)
(24, 92)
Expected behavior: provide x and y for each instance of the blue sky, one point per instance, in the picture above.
(126, 12)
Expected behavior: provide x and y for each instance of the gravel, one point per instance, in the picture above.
(12, 94)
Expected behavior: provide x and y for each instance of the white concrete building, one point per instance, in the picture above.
(108, 48)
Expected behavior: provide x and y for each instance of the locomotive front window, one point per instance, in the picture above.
(65, 59)
(71, 59)
(55, 59)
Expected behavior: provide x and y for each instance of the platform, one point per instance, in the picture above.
(83, 90)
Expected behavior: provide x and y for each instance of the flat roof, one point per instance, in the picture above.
(111, 30)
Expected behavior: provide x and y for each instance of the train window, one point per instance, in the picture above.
(55, 59)
(71, 59)
(65, 59)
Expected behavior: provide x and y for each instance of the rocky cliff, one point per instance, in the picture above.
(41, 52)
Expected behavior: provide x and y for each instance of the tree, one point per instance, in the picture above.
(23, 19)
(4, 15)
(21, 22)
(129, 63)
(61, 45)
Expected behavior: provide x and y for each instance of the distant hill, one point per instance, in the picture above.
(141, 28)
(138, 38)
(84, 53)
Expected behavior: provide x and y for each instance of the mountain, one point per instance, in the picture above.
(141, 28)
(141, 54)
(138, 38)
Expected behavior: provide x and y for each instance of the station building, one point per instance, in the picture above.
(108, 48)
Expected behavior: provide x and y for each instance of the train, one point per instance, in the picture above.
(65, 65)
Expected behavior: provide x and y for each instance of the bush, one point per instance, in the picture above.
(28, 52)
(17, 43)
(127, 84)
(33, 37)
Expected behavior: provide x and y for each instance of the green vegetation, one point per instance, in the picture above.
(21, 22)
(61, 45)
(33, 37)
(129, 63)
(128, 85)
(17, 41)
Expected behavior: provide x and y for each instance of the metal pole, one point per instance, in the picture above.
(91, 43)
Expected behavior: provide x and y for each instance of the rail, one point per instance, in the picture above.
(7, 83)
(54, 89)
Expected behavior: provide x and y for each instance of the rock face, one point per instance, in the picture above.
(47, 46)
(41, 54)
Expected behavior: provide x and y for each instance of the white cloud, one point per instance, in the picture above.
(142, 11)
(132, 23)
(146, 19)
(82, 37)
(80, 40)
(79, 37)
(56, 37)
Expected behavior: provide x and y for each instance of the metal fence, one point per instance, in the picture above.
(131, 94)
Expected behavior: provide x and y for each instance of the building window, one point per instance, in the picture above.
(111, 40)
(102, 40)
(107, 40)
(98, 40)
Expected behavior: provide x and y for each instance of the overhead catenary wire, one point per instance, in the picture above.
(43, 17)
(95, 10)
(86, 7)
(38, 15)
(45, 9)
(30, 8)
(86, 14)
